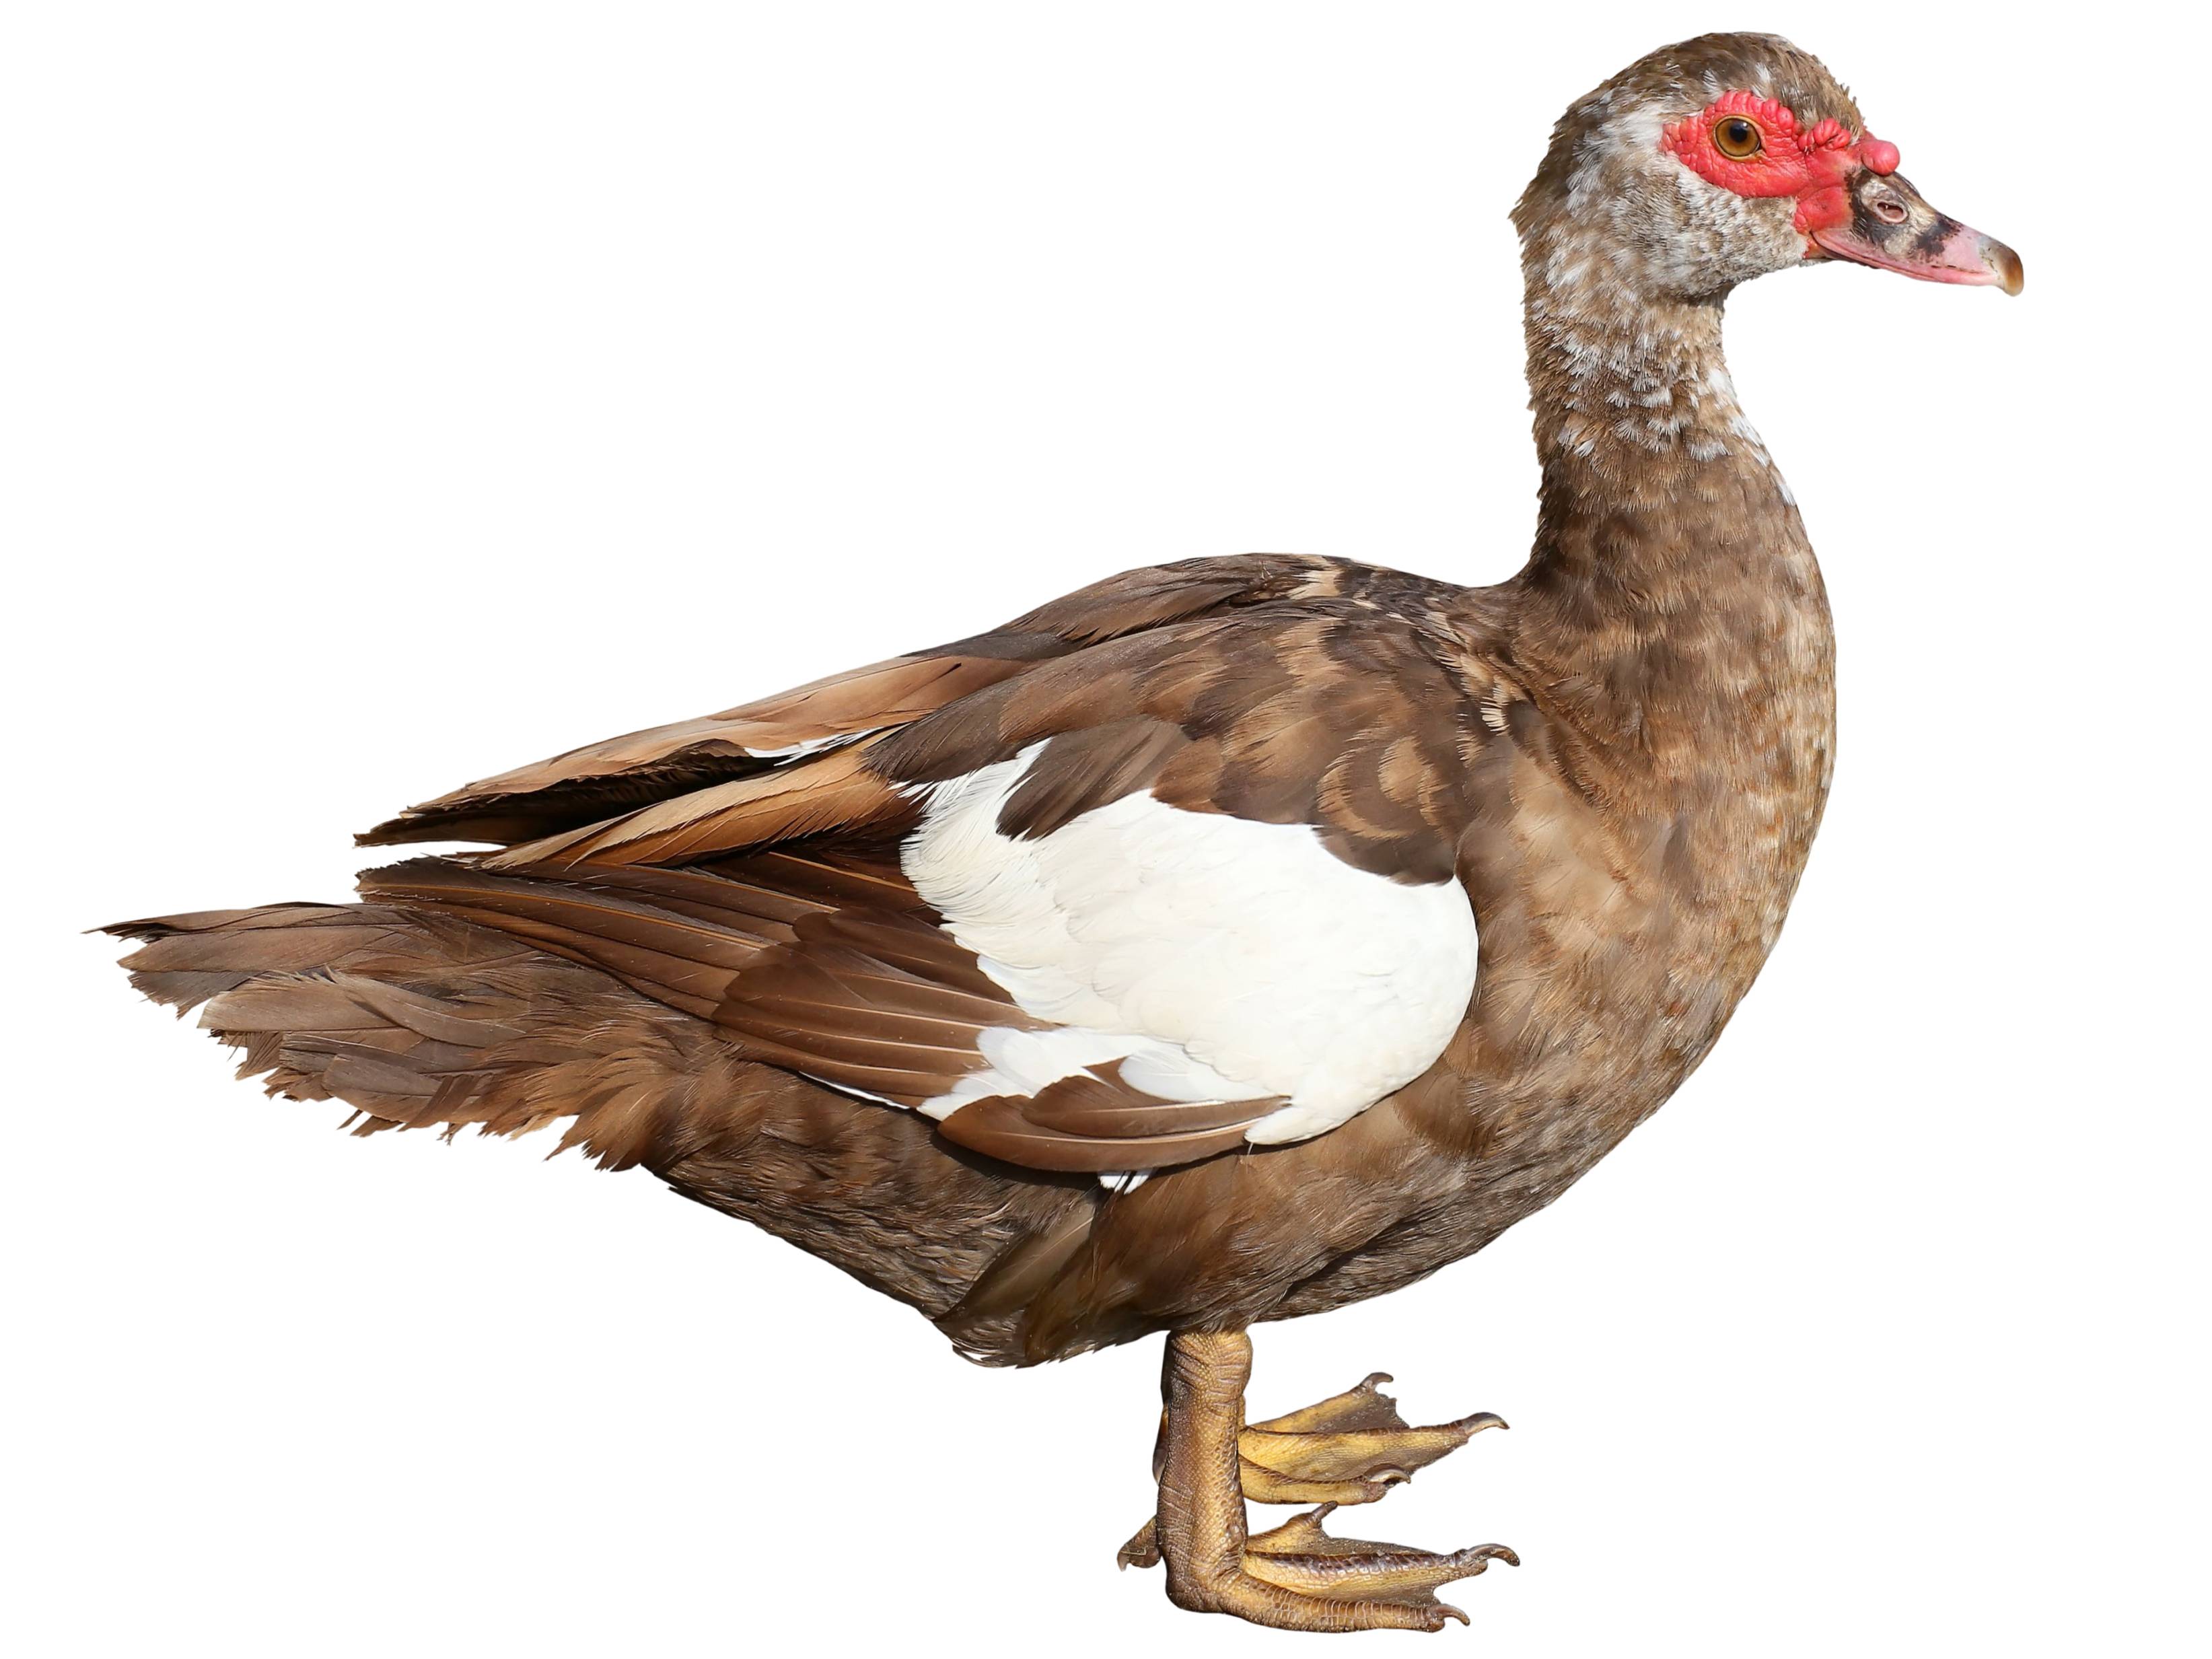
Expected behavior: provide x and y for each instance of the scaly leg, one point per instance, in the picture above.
(1295, 1577)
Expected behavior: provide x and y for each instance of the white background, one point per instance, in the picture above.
(396, 393)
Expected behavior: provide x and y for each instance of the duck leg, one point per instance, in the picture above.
(1295, 1577)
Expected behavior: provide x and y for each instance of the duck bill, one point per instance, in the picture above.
(1888, 224)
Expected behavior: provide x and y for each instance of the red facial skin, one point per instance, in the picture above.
(1811, 166)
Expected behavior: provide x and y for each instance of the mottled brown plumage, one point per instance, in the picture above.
(705, 946)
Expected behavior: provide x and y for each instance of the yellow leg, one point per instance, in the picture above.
(1295, 1577)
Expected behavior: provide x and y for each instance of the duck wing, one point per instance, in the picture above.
(1161, 895)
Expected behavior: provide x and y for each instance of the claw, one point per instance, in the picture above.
(1143, 1549)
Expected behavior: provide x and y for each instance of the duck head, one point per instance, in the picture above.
(1721, 159)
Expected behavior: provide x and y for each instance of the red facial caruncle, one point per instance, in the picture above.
(1754, 147)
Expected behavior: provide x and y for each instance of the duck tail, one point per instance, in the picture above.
(418, 1020)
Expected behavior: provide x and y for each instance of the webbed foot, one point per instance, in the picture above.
(1349, 1449)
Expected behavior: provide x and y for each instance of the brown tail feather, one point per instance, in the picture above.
(419, 1020)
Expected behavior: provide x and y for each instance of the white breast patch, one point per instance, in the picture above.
(1218, 958)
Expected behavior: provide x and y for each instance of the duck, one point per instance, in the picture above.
(1227, 941)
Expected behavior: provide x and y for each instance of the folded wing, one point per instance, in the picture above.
(1180, 885)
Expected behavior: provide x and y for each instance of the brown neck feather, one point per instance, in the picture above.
(1671, 576)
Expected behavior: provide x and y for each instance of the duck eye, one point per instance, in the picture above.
(1737, 138)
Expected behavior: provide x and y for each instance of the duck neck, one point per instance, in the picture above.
(1670, 574)
(1633, 405)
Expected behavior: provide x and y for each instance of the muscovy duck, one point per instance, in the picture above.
(1227, 941)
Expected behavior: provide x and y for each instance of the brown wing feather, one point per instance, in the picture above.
(588, 784)
(829, 966)
(1001, 1127)
(1099, 1103)
(833, 791)
(1078, 770)
(1341, 718)
(601, 780)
